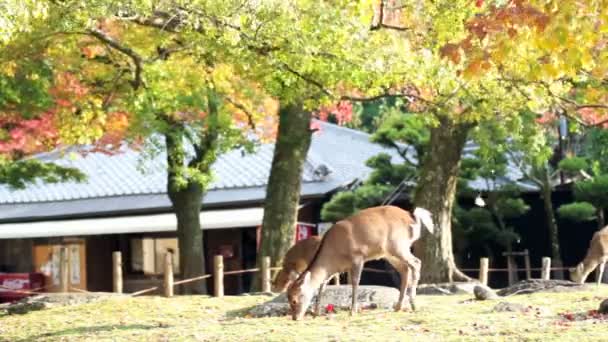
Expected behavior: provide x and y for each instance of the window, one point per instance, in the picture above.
(148, 254)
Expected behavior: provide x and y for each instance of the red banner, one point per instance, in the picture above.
(303, 231)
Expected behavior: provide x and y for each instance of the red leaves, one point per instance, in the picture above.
(479, 3)
(342, 111)
(27, 136)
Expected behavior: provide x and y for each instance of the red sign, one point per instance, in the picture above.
(303, 231)
(11, 283)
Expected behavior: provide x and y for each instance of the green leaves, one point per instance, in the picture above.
(577, 211)
(594, 191)
(19, 174)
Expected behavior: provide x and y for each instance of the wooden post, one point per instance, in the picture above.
(510, 269)
(117, 272)
(265, 274)
(484, 264)
(527, 263)
(546, 271)
(168, 284)
(64, 270)
(218, 276)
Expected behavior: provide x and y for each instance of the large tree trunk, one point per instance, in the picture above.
(283, 192)
(547, 196)
(187, 203)
(436, 192)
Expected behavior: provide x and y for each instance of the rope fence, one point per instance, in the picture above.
(218, 274)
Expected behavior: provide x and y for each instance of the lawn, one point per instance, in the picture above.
(552, 316)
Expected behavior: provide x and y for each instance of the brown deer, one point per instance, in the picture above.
(374, 233)
(295, 262)
(597, 256)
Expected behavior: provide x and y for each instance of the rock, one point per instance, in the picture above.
(539, 285)
(603, 309)
(447, 288)
(368, 297)
(483, 292)
(509, 307)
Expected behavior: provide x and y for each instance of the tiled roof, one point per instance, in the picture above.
(132, 182)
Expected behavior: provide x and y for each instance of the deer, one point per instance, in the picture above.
(294, 263)
(374, 233)
(597, 256)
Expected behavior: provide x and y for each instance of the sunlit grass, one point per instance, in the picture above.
(439, 318)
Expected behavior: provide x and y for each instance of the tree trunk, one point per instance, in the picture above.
(187, 203)
(283, 192)
(601, 220)
(436, 192)
(547, 195)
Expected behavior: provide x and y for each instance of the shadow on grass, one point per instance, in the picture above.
(54, 335)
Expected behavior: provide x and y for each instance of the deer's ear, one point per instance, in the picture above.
(293, 275)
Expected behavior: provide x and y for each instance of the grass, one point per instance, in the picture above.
(561, 316)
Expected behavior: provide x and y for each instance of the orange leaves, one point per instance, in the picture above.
(451, 51)
(594, 116)
(489, 32)
(476, 67)
(115, 130)
(92, 51)
(68, 90)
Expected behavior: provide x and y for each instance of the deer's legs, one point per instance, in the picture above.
(600, 272)
(404, 274)
(414, 265)
(318, 301)
(356, 270)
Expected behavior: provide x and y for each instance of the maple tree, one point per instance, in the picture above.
(476, 61)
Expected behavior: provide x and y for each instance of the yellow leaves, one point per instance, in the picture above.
(9, 68)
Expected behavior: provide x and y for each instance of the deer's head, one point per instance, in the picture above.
(576, 273)
(299, 295)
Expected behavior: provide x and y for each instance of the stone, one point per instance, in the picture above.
(509, 307)
(539, 285)
(368, 297)
(603, 309)
(454, 288)
(483, 292)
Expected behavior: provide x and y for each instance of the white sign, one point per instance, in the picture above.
(75, 267)
(323, 227)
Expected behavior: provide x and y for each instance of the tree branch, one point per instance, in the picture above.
(244, 109)
(380, 24)
(135, 57)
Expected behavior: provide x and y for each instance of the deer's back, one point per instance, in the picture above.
(599, 243)
(370, 232)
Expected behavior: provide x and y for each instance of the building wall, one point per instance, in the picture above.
(16, 255)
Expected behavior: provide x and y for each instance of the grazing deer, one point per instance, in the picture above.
(295, 262)
(597, 256)
(379, 232)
